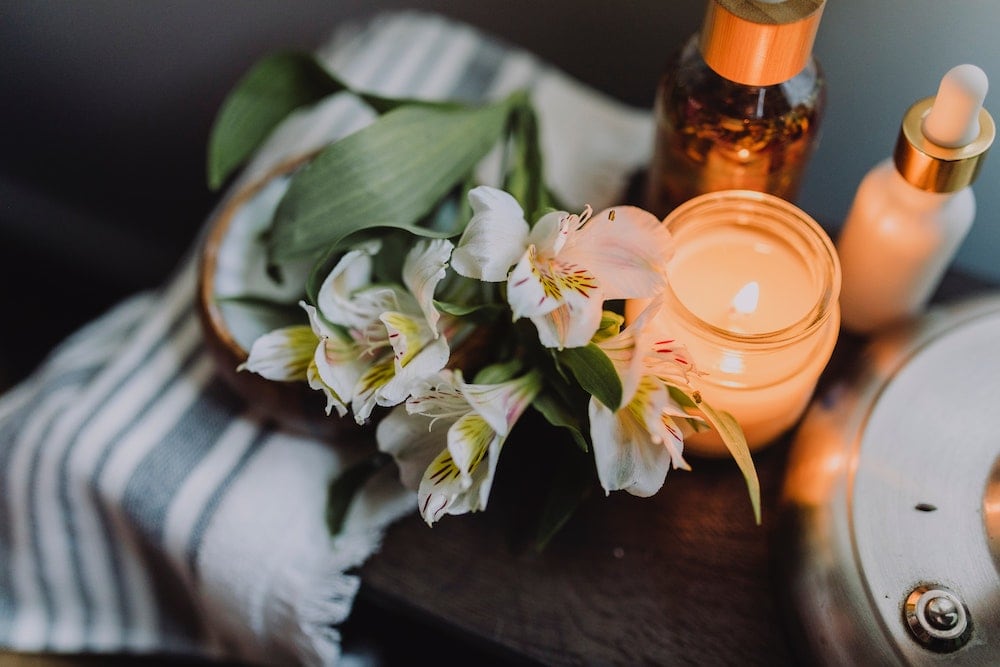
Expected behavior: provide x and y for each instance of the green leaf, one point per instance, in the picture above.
(264, 303)
(595, 373)
(275, 87)
(525, 178)
(681, 397)
(389, 174)
(611, 326)
(383, 105)
(558, 414)
(345, 486)
(488, 310)
(498, 372)
(732, 435)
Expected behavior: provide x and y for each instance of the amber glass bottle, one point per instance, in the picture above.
(739, 106)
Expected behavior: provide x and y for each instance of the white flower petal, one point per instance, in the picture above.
(533, 287)
(283, 354)
(626, 248)
(548, 233)
(482, 476)
(333, 400)
(438, 396)
(413, 441)
(501, 405)
(352, 272)
(629, 348)
(662, 355)
(672, 362)
(668, 435)
(625, 455)
(526, 291)
(407, 335)
(460, 477)
(387, 382)
(494, 238)
(443, 491)
(428, 361)
(338, 366)
(469, 440)
(572, 324)
(423, 269)
(368, 305)
(366, 393)
(563, 298)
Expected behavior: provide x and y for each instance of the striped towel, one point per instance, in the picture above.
(144, 507)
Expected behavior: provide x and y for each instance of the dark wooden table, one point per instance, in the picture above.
(683, 577)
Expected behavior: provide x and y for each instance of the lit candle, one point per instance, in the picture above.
(753, 293)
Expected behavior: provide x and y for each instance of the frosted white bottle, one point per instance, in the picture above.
(912, 211)
(896, 243)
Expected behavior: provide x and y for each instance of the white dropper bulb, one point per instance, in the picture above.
(953, 120)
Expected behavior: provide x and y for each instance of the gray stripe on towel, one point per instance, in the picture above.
(153, 485)
(114, 541)
(478, 77)
(8, 433)
(66, 476)
(198, 532)
(70, 367)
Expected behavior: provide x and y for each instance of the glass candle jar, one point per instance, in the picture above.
(753, 294)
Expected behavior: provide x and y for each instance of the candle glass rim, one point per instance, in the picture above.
(795, 220)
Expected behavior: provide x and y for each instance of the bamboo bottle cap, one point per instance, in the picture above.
(928, 166)
(759, 42)
(944, 139)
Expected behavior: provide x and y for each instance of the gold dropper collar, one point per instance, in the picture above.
(759, 43)
(935, 168)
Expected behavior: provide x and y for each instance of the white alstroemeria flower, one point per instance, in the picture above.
(283, 355)
(335, 368)
(366, 344)
(567, 266)
(319, 354)
(424, 267)
(302, 353)
(447, 438)
(336, 297)
(408, 351)
(495, 237)
(574, 263)
(395, 334)
(636, 443)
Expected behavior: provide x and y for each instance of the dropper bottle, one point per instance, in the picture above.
(739, 105)
(912, 211)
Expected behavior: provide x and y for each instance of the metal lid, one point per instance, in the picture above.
(935, 168)
(759, 43)
(890, 514)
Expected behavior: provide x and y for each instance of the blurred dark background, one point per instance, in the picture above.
(107, 105)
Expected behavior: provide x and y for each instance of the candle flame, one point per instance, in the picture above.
(745, 301)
